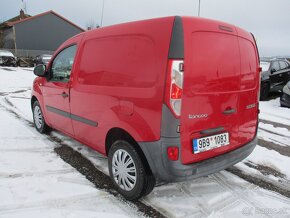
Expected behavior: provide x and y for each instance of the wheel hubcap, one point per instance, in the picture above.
(38, 120)
(124, 170)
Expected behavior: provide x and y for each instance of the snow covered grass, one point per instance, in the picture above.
(35, 182)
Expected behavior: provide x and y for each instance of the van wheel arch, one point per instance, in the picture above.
(33, 99)
(117, 135)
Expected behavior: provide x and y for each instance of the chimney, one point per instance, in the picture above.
(22, 15)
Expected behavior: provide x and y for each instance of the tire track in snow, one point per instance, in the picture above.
(276, 115)
(32, 174)
(98, 178)
(260, 181)
(86, 168)
(283, 150)
(267, 171)
(146, 209)
(202, 207)
(275, 133)
(47, 203)
(15, 92)
(239, 195)
(275, 124)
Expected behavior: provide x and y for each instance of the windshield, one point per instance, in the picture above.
(265, 65)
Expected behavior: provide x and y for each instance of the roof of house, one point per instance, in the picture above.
(13, 21)
(17, 18)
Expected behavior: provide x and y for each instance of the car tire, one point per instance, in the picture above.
(128, 172)
(264, 93)
(38, 119)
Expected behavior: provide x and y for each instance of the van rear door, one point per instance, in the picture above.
(219, 84)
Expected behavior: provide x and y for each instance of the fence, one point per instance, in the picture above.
(29, 53)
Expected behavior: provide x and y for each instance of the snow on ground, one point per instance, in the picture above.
(35, 182)
(271, 110)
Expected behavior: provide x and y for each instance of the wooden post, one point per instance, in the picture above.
(14, 38)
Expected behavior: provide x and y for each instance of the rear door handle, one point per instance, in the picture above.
(212, 131)
(229, 111)
(64, 95)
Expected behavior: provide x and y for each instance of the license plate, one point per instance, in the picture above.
(210, 142)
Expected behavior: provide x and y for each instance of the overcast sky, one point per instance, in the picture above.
(268, 20)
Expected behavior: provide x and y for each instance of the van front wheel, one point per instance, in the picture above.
(38, 119)
(128, 172)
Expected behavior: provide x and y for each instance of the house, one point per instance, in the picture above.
(36, 34)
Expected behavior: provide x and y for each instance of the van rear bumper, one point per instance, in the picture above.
(166, 170)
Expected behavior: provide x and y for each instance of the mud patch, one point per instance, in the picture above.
(265, 170)
(98, 178)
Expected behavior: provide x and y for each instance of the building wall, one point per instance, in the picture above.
(46, 32)
(8, 38)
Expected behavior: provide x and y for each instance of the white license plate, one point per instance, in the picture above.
(210, 142)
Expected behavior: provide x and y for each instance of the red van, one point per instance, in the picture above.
(167, 99)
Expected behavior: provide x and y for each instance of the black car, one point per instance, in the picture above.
(42, 59)
(7, 59)
(285, 98)
(275, 74)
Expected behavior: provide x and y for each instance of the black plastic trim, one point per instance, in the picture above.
(166, 170)
(72, 116)
(58, 111)
(169, 124)
(176, 50)
(212, 131)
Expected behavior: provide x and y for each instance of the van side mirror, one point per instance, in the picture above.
(40, 70)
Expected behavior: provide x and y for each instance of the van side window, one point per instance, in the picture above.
(62, 65)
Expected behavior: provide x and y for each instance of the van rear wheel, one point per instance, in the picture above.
(128, 172)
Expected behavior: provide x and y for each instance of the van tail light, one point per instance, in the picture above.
(173, 153)
(175, 74)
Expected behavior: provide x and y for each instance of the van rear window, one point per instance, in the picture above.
(127, 61)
